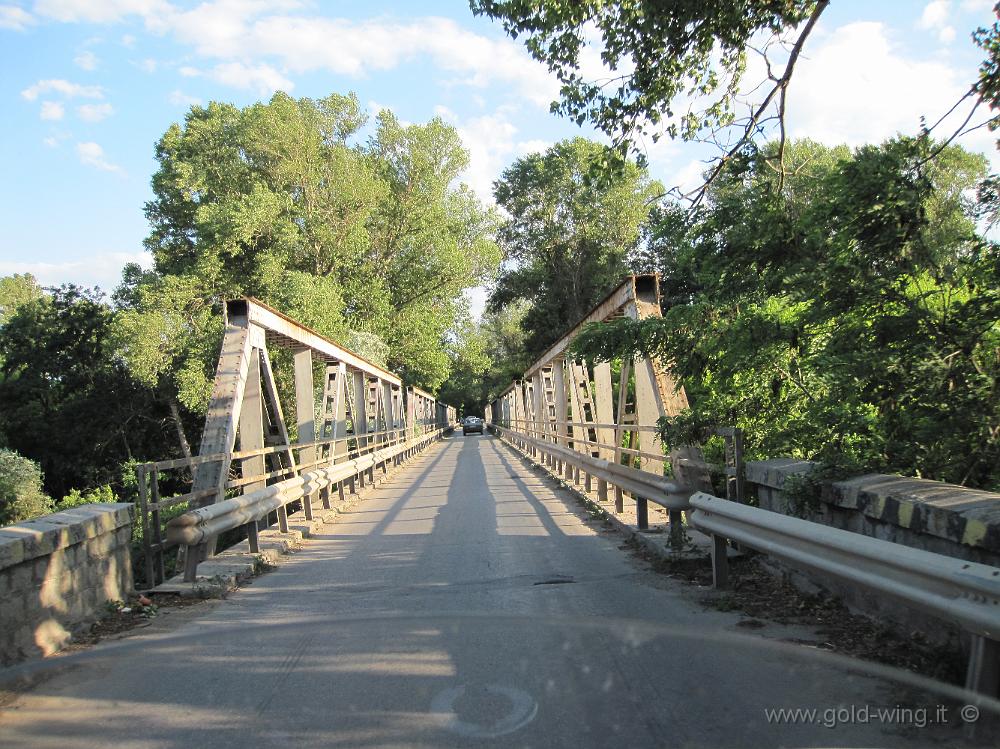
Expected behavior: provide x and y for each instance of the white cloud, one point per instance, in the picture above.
(103, 269)
(188, 72)
(935, 14)
(91, 154)
(52, 110)
(86, 60)
(855, 87)
(94, 112)
(935, 18)
(51, 141)
(180, 99)
(525, 147)
(66, 88)
(261, 37)
(128, 41)
(148, 65)
(14, 18)
(492, 144)
(102, 11)
(476, 296)
(261, 78)
(357, 48)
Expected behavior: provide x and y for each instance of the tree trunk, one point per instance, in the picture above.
(176, 414)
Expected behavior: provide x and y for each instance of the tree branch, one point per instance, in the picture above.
(779, 89)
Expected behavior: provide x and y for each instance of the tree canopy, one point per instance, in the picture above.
(850, 313)
(363, 241)
(67, 400)
(674, 68)
(569, 234)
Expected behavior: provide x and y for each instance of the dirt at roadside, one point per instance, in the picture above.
(762, 596)
(124, 616)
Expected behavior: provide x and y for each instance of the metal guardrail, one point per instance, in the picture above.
(964, 593)
(195, 526)
(642, 485)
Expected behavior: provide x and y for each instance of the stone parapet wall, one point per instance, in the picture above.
(57, 573)
(929, 515)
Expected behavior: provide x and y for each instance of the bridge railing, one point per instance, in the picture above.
(363, 410)
(155, 510)
(561, 415)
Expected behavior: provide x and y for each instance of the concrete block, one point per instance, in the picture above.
(11, 548)
(21, 577)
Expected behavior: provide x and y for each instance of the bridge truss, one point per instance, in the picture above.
(609, 417)
(364, 418)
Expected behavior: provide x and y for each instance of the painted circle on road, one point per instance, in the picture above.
(521, 711)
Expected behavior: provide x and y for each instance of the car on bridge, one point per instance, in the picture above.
(472, 424)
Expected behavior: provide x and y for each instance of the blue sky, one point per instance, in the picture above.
(88, 86)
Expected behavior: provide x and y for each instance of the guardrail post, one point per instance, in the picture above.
(602, 490)
(676, 522)
(642, 513)
(720, 562)
(253, 537)
(983, 674)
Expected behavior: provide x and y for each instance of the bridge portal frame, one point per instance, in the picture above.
(363, 410)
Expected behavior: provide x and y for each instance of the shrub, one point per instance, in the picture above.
(21, 495)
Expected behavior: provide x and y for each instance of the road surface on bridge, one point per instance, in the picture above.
(469, 601)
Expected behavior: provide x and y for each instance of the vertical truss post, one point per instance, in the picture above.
(305, 417)
(561, 410)
(604, 409)
(623, 382)
(359, 414)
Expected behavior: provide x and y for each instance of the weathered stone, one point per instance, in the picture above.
(11, 549)
(929, 515)
(57, 572)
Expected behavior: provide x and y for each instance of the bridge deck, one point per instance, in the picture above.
(467, 601)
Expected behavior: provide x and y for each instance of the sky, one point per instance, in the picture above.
(88, 86)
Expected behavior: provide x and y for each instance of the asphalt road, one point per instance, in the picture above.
(467, 602)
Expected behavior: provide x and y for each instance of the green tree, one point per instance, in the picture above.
(21, 493)
(569, 235)
(16, 290)
(677, 67)
(68, 401)
(848, 313)
(364, 242)
(467, 349)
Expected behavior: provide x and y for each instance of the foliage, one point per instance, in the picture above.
(68, 401)
(569, 234)
(21, 494)
(16, 290)
(469, 367)
(76, 497)
(664, 58)
(487, 355)
(849, 313)
(369, 244)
